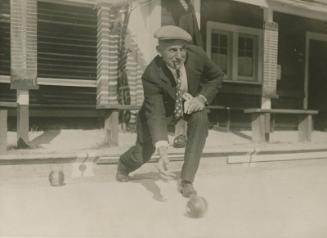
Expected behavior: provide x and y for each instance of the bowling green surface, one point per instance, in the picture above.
(271, 199)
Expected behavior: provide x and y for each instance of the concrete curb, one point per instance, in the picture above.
(234, 154)
(254, 158)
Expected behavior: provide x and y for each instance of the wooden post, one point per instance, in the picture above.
(22, 118)
(23, 49)
(305, 128)
(267, 125)
(3, 129)
(258, 127)
(229, 118)
(111, 127)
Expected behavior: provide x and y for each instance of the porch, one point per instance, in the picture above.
(286, 77)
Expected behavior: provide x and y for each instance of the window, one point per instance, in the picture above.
(220, 50)
(67, 44)
(237, 50)
(4, 38)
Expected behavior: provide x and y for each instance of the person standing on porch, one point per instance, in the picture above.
(179, 82)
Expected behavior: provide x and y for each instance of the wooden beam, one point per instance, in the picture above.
(85, 2)
(72, 2)
(260, 3)
(268, 15)
(301, 8)
(281, 111)
(111, 127)
(65, 113)
(22, 118)
(314, 10)
(3, 129)
(258, 121)
(305, 126)
(8, 105)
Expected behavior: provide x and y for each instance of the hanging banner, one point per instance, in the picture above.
(23, 44)
(269, 84)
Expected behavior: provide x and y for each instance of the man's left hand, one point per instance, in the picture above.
(194, 105)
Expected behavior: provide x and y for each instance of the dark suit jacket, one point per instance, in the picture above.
(203, 76)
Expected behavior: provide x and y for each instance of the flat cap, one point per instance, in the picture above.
(171, 32)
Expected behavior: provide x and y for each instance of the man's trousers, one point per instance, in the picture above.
(197, 132)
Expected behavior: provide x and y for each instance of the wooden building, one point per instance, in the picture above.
(273, 53)
(267, 45)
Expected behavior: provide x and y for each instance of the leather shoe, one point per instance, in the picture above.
(187, 189)
(122, 173)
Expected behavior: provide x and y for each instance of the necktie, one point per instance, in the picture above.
(179, 96)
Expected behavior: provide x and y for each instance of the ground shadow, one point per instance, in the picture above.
(241, 134)
(149, 179)
(219, 128)
(45, 138)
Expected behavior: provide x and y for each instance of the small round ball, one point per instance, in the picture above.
(197, 206)
(57, 178)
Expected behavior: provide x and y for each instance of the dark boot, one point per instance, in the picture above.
(122, 173)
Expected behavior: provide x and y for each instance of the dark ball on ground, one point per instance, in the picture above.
(196, 207)
(180, 141)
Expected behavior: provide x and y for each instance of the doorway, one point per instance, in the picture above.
(317, 80)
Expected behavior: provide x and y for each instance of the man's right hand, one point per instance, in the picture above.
(194, 105)
(163, 163)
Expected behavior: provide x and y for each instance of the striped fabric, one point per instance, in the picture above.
(23, 19)
(120, 62)
(123, 87)
(270, 43)
(107, 57)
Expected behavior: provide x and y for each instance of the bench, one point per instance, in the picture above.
(4, 106)
(261, 122)
(111, 120)
(63, 110)
(228, 112)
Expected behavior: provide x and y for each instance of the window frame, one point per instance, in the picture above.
(236, 31)
(229, 51)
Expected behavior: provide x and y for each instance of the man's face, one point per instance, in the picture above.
(173, 54)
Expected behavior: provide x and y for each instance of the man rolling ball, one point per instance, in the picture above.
(178, 83)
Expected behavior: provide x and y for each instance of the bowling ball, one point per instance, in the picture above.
(57, 178)
(196, 207)
(180, 141)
